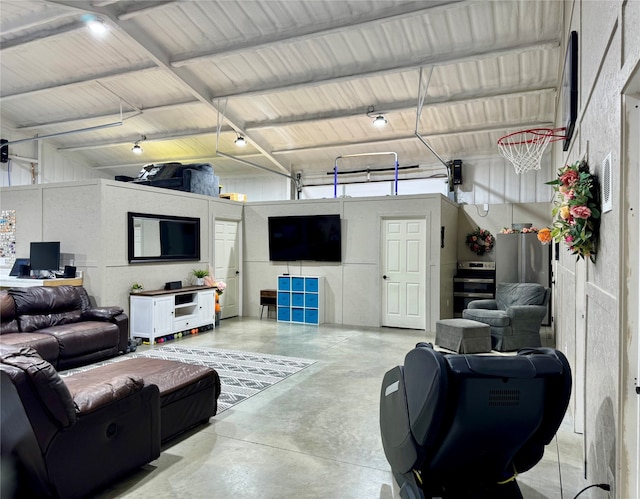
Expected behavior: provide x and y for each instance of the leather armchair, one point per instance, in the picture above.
(59, 444)
(515, 316)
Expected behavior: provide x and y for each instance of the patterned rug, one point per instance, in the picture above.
(242, 374)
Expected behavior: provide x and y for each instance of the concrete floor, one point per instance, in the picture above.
(315, 434)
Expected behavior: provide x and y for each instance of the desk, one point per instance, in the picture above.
(25, 282)
(268, 298)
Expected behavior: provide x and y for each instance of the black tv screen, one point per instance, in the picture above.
(45, 256)
(312, 237)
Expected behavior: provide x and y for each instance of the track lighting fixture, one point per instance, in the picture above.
(240, 141)
(378, 118)
(137, 148)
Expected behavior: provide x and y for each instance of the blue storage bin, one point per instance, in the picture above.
(297, 283)
(284, 314)
(311, 300)
(284, 299)
(297, 315)
(311, 316)
(311, 284)
(284, 283)
(297, 299)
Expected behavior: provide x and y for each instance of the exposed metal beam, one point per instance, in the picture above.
(45, 34)
(311, 31)
(33, 19)
(489, 129)
(395, 67)
(144, 10)
(150, 138)
(74, 121)
(112, 73)
(399, 106)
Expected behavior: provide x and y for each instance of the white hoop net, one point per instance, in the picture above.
(525, 148)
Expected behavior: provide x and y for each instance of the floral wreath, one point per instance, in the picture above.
(576, 213)
(480, 241)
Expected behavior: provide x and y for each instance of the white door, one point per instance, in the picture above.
(227, 266)
(404, 257)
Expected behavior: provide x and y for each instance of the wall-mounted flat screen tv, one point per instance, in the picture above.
(163, 237)
(312, 237)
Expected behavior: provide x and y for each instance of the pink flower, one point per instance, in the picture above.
(568, 239)
(570, 194)
(581, 212)
(570, 177)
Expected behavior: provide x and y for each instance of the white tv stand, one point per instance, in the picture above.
(159, 313)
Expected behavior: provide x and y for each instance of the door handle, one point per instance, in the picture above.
(237, 272)
(384, 277)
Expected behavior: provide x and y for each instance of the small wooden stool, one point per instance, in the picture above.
(463, 335)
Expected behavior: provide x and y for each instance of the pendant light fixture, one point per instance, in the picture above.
(137, 148)
(379, 120)
(240, 141)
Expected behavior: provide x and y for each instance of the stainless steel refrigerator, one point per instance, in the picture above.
(522, 258)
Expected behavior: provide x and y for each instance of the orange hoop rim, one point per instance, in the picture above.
(539, 134)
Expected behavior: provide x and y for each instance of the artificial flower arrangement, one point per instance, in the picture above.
(480, 241)
(576, 214)
(524, 230)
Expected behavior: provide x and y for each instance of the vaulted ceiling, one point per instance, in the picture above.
(301, 80)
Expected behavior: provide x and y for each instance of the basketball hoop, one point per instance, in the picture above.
(525, 148)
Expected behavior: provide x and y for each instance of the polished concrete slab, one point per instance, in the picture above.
(315, 434)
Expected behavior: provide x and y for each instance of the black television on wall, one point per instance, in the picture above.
(305, 237)
(155, 238)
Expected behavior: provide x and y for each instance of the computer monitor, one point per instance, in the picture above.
(20, 268)
(45, 256)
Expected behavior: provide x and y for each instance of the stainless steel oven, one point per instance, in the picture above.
(473, 281)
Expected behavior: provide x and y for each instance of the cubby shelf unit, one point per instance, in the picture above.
(300, 299)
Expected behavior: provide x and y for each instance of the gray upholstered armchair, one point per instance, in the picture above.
(515, 316)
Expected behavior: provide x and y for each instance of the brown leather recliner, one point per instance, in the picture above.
(62, 446)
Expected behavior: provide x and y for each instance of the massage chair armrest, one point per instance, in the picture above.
(486, 304)
(95, 396)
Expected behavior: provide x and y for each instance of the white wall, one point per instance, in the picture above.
(89, 218)
(590, 296)
(353, 287)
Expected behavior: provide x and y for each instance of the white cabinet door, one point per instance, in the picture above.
(163, 315)
(206, 307)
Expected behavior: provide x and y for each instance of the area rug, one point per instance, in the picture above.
(242, 374)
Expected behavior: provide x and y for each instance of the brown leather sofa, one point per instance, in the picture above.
(60, 323)
(58, 444)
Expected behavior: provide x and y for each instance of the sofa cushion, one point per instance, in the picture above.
(45, 344)
(494, 318)
(45, 306)
(8, 317)
(519, 293)
(84, 337)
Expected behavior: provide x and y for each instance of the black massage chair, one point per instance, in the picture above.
(463, 426)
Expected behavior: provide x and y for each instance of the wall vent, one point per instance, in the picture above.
(607, 183)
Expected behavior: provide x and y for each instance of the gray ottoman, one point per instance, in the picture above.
(463, 335)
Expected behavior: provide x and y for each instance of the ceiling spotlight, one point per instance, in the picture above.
(137, 148)
(240, 141)
(97, 26)
(379, 121)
